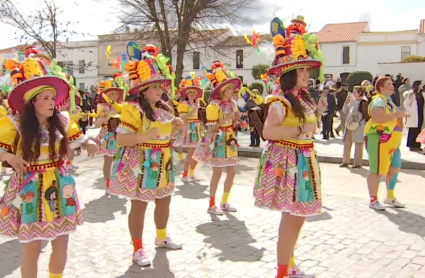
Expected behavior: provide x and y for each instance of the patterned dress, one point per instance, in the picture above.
(41, 204)
(220, 148)
(194, 129)
(382, 140)
(144, 172)
(288, 177)
(106, 137)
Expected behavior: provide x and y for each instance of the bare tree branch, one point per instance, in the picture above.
(41, 27)
(178, 23)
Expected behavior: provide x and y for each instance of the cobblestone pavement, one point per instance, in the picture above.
(347, 240)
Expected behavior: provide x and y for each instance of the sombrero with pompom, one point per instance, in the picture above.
(151, 69)
(37, 76)
(220, 79)
(191, 83)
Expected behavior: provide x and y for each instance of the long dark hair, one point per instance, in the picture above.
(31, 135)
(147, 109)
(288, 81)
(415, 86)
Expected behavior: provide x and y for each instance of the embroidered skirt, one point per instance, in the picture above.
(143, 174)
(219, 149)
(106, 142)
(194, 133)
(45, 208)
(288, 180)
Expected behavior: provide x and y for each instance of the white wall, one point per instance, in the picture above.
(421, 45)
(384, 47)
(81, 51)
(414, 71)
(333, 56)
(228, 56)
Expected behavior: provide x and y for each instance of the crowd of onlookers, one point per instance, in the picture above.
(351, 108)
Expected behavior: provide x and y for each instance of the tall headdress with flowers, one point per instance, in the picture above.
(295, 48)
(220, 79)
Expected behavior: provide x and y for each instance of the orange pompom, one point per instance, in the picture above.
(4, 211)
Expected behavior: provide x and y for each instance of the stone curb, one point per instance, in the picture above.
(256, 153)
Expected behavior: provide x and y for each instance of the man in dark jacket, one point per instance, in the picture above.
(313, 90)
(341, 96)
(86, 106)
(328, 115)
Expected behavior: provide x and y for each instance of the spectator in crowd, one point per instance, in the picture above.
(327, 117)
(314, 92)
(405, 86)
(357, 116)
(396, 95)
(414, 104)
(341, 96)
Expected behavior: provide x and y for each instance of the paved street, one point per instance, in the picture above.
(347, 240)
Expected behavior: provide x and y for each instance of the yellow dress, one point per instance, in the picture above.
(382, 140)
(288, 176)
(144, 172)
(41, 204)
(106, 137)
(220, 148)
(194, 129)
(3, 111)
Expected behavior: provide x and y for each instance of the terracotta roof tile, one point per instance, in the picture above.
(237, 41)
(342, 32)
(422, 27)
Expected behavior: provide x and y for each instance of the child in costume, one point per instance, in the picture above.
(191, 93)
(219, 147)
(176, 136)
(143, 170)
(108, 109)
(288, 177)
(40, 200)
(384, 132)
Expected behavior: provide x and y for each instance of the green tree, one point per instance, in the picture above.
(357, 77)
(258, 70)
(258, 86)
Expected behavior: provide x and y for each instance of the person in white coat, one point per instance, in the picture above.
(414, 104)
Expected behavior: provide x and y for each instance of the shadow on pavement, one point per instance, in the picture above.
(323, 216)
(160, 269)
(192, 190)
(11, 256)
(407, 221)
(103, 209)
(231, 237)
(359, 171)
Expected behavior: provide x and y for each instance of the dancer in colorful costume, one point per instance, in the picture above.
(191, 93)
(40, 200)
(288, 178)
(384, 132)
(143, 169)
(176, 136)
(219, 147)
(107, 115)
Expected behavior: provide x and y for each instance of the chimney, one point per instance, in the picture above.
(127, 29)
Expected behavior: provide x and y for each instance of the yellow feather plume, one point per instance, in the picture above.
(144, 71)
(108, 84)
(32, 68)
(220, 76)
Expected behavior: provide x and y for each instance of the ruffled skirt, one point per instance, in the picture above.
(45, 208)
(288, 180)
(142, 174)
(219, 149)
(106, 142)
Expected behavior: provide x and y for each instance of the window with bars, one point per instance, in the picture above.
(196, 60)
(405, 51)
(345, 55)
(81, 67)
(239, 59)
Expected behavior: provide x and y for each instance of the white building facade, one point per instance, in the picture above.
(80, 59)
